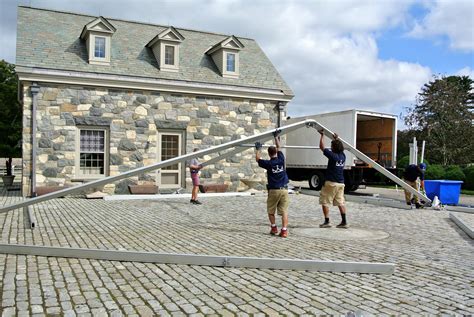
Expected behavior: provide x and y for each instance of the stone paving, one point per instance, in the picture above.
(434, 260)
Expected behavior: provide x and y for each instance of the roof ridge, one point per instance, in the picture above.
(133, 21)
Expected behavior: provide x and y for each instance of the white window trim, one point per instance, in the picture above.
(91, 44)
(77, 169)
(166, 67)
(225, 72)
(160, 172)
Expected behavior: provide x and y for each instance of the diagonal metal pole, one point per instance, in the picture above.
(110, 179)
(236, 150)
(316, 125)
(258, 137)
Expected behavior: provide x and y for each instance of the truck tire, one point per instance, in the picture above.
(316, 181)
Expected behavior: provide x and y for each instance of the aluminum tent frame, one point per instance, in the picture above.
(265, 136)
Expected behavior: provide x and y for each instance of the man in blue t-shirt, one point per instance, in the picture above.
(332, 192)
(277, 185)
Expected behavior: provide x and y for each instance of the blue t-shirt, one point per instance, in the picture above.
(412, 172)
(276, 174)
(335, 170)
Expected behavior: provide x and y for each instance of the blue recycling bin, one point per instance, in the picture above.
(447, 191)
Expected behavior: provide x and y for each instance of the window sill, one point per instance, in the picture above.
(230, 75)
(168, 68)
(99, 62)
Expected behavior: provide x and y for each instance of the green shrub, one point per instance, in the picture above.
(469, 172)
(454, 172)
(403, 162)
(435, 172)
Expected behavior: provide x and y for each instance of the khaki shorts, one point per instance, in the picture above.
(332, 194)
(277, 200)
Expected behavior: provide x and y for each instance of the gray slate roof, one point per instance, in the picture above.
(50, 39)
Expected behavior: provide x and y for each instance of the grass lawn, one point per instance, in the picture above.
(467, 192)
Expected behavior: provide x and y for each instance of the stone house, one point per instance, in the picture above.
(102, 96)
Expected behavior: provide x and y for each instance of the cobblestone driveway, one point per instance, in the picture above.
(434, 261)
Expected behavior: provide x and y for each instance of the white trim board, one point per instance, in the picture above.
(145, 83)
(202, 260)
(174, 196)
(461, 224)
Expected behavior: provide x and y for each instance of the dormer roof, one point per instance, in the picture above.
(230, 43)
(169, 34)
(99, 24)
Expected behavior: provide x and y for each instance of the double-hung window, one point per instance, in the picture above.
(92, 162)
(99, 48)
(169, 55)
(230, 62)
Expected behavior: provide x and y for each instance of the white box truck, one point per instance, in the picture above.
(373, 133)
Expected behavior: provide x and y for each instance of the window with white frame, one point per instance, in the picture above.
(169, 55)
(230, 62)
(92, 159)
(99, 47)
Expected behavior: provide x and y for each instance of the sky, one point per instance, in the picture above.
(334, 54)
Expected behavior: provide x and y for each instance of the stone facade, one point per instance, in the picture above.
(132, 120)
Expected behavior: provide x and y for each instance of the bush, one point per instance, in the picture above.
(469, 172)
(403, 163)
(435, 172)
(454, 172)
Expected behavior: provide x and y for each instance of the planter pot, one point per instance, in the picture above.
(143, 189)
(8, 180)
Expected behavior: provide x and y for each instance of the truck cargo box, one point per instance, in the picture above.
(373, 133)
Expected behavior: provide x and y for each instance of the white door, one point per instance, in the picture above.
(169, 146)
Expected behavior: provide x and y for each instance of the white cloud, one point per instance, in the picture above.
(466, 71)
(454, 19)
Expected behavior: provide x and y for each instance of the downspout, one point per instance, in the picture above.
(34, 92)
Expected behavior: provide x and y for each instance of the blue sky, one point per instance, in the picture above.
(395, 43)
(334, 54)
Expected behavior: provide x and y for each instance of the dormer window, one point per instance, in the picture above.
(230, 61)
(169, 55)
(165, 47)
(99, 50)
(98, 36)
(225, 55)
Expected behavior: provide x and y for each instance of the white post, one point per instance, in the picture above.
(422, 151)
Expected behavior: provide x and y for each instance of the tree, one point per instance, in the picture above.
(443, 116)
(10, 119)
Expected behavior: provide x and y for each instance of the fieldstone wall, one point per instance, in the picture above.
(133, 119)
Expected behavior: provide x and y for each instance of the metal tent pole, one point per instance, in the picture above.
(369, 161)
(197, 259)
(258, 137)
(149, 168)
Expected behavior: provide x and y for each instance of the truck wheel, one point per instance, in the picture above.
(316, 181)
